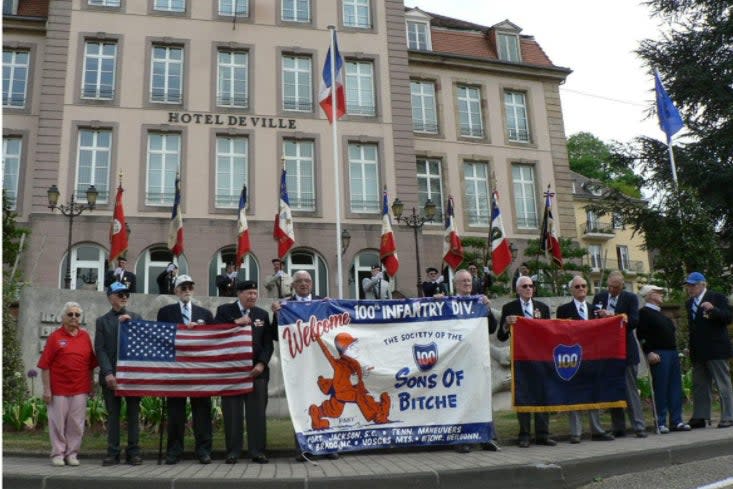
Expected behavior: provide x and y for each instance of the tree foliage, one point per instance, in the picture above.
(552, 280)
(595, 159)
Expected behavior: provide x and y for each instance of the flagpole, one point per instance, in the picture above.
(337, 179)
(671, 161)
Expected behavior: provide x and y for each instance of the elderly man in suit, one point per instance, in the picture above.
(708, 317)
(105, 347)
(244, 312)
(122, 275)
(615, 300)
(526, 306)
(579, 309)
(376, 287)
(184, 311)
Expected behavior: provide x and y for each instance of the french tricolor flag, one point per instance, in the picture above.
(243, 245)
(175, 227)
(327, 84)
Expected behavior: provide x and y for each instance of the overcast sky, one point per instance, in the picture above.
(609, 92)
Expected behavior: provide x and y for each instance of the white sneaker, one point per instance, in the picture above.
(57, 461)
(72, 460)
(663, 430)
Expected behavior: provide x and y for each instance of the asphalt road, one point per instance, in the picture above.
(716, 473)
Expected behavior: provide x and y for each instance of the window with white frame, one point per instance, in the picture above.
(297, 82)
(360, 88)
(622, 252)
(312, 263)
(170, 5)
(594, 256)
(163, 162)
(364, 178)
(232, 86)
(361, 269)
(93, 158)
(508, 47)
(152, 262)
(232, 169)
(418, 35)
(617, 220)
(16, 65)
(515, 104)
(231, 8)
(295, 10)
(104, 3)
(100, 63)
(424, 110)
(12, 148)
(166, 75)
(476, 180)
(525, 198)
(87, 268)
(469, 111)
(430, 185)
(300, 166)
(356, 14)
(10, 7)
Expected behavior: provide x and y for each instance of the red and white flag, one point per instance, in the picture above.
(329, 85)
(243, 245)
(549, 242)
(118, 229)
(388, 246)
(452, 246)
(175, 227)
(283, 232)
(501, 253)
(168, 359)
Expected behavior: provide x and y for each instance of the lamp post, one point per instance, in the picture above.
(71, 210)
(345, 240)
(414, 221)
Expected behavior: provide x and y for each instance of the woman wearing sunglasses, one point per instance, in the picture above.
(67, 364)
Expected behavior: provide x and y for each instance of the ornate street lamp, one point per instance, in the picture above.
(345, 240)
(71, 210)
(414, 221)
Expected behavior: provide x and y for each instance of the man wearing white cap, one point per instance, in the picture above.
(657, 335)
(184, 311)
(708, 317)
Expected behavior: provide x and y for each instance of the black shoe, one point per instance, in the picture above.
(231, 459)
(110, 460)
(135, 460)
(548, 442)
(463, 449)
(523, 443)
(640, 434)
(490, 446)
(331, 456)
(171, 460)
(619, 433)
(260, 459)
(725, 424)
(696, 423)
(603, 437)
(205, 459)
(574, 440)
(301, 457)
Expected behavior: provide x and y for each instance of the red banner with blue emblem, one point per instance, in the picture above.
(567, 365)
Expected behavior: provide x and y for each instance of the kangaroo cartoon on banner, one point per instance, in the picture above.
(378, 374)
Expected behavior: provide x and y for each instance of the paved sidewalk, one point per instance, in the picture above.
(564, 466)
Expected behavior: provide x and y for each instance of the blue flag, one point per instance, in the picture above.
(669, 117)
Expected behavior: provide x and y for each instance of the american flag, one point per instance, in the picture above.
(168, 359)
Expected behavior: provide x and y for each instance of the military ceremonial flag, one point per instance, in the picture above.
(243, 245)
(549, 242)
(452, 246)
(566, 365)
(283, 232)
(175, 227)
(501, 254)
(168, 359)
(388, 247)
(118, 229)
(332, 83)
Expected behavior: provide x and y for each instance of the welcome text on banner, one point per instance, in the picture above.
(378, 374)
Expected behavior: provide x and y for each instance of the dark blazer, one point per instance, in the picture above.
(128, 278)
(227, 286)
(569, 311)
(514, 308)
(262, 345)
(709, 338)
(166, 283)
(105, 341)
(172, 314)
(628, 304)
(429, 289)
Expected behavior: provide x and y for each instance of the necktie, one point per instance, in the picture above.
(695, 304)
(186, 314)
(527, 312)
(581, 312)
(612, 305)
(245, 312)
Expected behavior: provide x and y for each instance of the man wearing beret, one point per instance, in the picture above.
(105, 347)
(708, 317)
(245, 313)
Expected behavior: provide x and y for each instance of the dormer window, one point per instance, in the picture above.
(508, 46)
(417, 26)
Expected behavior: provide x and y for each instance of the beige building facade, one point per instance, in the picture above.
(224, 92)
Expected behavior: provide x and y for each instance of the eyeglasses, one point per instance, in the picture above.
(185, 288)
(123, 295)
(580, 286)
(527, 286)
(73, 314)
